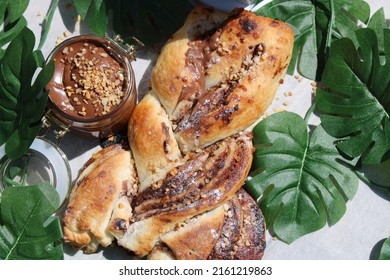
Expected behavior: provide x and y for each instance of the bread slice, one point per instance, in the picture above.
(107, 178)
(218, 80)
(152, 142)
(207, 180)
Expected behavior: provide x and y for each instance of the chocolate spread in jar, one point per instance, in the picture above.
(88, 81)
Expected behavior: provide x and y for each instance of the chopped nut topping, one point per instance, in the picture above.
(94, 82)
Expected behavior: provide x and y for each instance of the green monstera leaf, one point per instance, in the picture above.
(316, 24)
(378, 24)
(27, 229)
(149, 21)
(298, 179)
(22, 102)
(82, 6)
(12, 21)
(14, 8)
(354, 101)
(98, 18)
(385, 250)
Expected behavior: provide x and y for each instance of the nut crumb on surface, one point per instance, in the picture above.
(59, 40)
(277, 109)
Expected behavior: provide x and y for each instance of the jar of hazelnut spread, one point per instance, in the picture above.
(93, 87)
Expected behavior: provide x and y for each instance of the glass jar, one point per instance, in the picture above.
(93, 89)
(43, 162)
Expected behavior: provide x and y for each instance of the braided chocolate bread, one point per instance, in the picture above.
(180, 195)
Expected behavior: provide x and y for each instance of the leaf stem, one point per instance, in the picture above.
(310, 112)
(12, 182)
(24, 171)
(330, 27)
(47, 23)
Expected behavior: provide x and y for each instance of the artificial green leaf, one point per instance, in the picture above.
(316, 24)
(150, 21)
(98, 14)
(12, 21)
(378, 24)
(347, 14)
(354, 103)
(82, 7)
(99, 18)
(302, 16)
(385, 251)
(27, 230)
(16, 8)
(47, 22)
(22, 102)
(375, 175)
(3, 8)
(97, 4)
(12, 31)
(299, 181)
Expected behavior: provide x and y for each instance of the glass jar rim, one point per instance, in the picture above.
(120, 55)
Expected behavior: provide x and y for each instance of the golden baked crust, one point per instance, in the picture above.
(153, 144)
(192, 239)
(161, 252)
(105, 178)
(222, 81)
(195, 239)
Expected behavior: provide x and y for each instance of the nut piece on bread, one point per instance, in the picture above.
(106, 184)
(243, 232)
(218, 78)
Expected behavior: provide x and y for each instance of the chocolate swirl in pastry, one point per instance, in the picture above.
(205, 181)
(217, 81)
(177, 73)
(243, 233)
(195, 238)
(99, 204)
(235, 230)
(212, 80)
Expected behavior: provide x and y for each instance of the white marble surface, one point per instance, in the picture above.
(366, 222)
